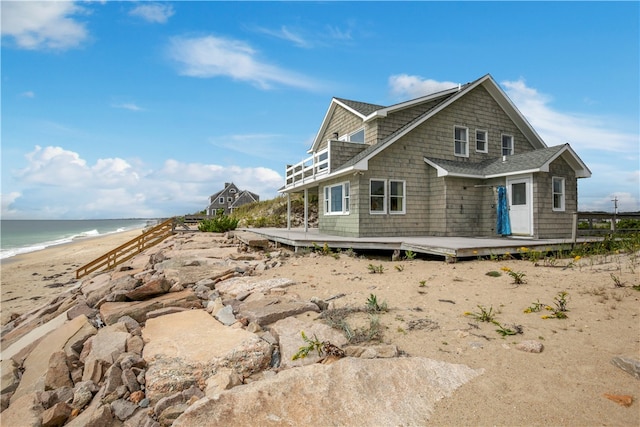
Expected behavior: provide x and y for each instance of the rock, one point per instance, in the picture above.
(96, 415)
(108, 341)
(36, 364)
(186, 348)
(24, 411)
(83, 393)
(270, 309)
(138, 310)
(58, 373)
(81, 307)
(372, 352)
(167, 401)
(123, 409)
(530, 346)
(133, 326)
(150, 289)
(627, 364)
(136, 396)
(169, 415)
(288, 333)
(56, 416)
(240, 285)
(401, 391)
(135, 344)
(225, 315)
(10, 376)
(112, 379)
(224, 379)
(129, 380)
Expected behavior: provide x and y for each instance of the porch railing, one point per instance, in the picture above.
(125, 252)
(308, 169)
(601, 224)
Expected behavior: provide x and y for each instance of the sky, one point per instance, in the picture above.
(145, 109)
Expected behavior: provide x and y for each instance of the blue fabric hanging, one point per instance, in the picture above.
(503, 226)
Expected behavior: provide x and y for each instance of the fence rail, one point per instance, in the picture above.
(125, 252)
(601, 224)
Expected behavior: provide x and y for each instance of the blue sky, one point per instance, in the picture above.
(144, 109)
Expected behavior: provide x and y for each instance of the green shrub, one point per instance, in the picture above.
(219, 224)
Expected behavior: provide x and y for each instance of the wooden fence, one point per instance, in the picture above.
(601, 224)
(125, 252)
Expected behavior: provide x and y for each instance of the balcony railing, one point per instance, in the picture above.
(308, 169)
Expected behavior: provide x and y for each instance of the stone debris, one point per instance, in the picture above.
(530, 346)
(627, 364)
(186, 334)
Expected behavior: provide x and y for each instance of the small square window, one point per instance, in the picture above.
(461, 141)
(482, 141)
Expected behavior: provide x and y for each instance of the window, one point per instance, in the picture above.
(336, 199)
(357, 136)
(229, 199)
(558, 193)
(519, 196)
(221, 200)
(461, 141)
(507, 145)
(481, 141)
(396, 197)
(378, 196)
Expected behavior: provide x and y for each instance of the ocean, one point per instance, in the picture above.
(22, 236)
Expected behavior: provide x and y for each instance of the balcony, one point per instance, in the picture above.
(307, 170)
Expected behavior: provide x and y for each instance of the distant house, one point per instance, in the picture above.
(446, 164)
(229, 199)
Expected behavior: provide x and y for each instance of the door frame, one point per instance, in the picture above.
(528, 180)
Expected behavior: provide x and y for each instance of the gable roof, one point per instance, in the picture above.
(532, 161)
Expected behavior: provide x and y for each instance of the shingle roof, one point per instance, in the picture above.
(363, 108)
(531, 160)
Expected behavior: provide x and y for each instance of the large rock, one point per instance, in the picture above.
(36, 364)
(185, 349)
(288, 333)
(270, 309)
(25, 411)
(100, 286)
(112, 311)
(58, 374)
(364, 392)
(106, 346)
(244, 285)
(150, 289)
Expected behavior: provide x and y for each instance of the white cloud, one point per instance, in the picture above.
(128, 106)
(42, 24)
(404, 86)
(59, 183)
(285, 33)
(212, 56)
(28, 94)
(153, 12)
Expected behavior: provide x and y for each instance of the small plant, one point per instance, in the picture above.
(312, 344)
(399, 267)
(516, 275)
(484, 315)
(219, 224)
(535, 307)
(373, 306)
(409, 255)
(493, 273)
(560, 309)
(423, 283)
(376, 269)
(504, 331)
(616, 281)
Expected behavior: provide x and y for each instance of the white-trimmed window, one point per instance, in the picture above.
(461, 141)
(507, 145)
(357, 136)
(336, 199)
(378, 196)
(229, 199)
(482, 141)
(221, 200)
(396, 197)
(558, 193)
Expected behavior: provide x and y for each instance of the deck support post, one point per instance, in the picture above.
(306, 210)
(288, 211)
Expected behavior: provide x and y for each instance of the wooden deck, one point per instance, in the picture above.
(451, 248)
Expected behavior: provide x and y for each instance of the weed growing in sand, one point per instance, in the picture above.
(376, 269)
(516, 275)
(409, 255)
(560, 309)
(616, 281)
(399, 267)
(535, 307)
(504, 331)
(423, 283)
(493, 273)
(374, 306)
(484, 315)
(312, 344)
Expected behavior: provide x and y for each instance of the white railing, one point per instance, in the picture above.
(308, 169)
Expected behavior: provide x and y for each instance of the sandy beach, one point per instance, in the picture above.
(29, 280)
(433, 310)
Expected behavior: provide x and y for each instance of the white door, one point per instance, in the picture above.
(520, 205)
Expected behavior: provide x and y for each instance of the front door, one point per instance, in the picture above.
(520, 205)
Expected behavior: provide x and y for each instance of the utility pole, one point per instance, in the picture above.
(615, 204)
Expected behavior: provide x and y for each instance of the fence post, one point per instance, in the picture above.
(574, 230)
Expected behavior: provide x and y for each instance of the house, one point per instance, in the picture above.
(451, 163)
(229, 199)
